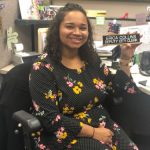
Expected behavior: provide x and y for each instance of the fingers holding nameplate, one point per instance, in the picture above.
(121, 39)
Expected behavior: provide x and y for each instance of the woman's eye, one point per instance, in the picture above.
(69, 27)
(83, 28)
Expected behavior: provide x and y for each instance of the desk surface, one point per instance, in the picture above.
(138, 77)
(6, 69)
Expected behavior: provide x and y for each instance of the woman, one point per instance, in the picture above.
(68, 84)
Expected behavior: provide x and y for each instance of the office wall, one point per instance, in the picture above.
(11, 12)
(114, 9)
(8, 15)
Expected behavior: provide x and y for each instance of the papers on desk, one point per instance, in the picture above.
(103, 50)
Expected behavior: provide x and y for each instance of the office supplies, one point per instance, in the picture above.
(21, 57)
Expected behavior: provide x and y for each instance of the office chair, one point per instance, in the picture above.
(15, 96)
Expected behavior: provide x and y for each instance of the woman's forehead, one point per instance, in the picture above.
(75, 16)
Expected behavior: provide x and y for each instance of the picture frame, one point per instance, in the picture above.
(42, 34)
(29, 9)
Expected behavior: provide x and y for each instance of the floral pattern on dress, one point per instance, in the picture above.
(91, 104)
(56, 107)
(67, 109)
(99, 84)
(61, 134)
(75, 85)
(83, 116)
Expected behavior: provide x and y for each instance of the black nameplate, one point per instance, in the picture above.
(121, 39)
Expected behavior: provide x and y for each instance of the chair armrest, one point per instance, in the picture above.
(28, 121)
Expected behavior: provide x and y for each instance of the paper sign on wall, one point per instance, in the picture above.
(12, 38)
(100, 20)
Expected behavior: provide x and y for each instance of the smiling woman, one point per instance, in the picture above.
(69, 84)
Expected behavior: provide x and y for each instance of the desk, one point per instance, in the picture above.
(4, 70)
(138, 77)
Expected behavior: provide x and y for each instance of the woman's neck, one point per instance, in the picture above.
(70, 53)
(73, 62)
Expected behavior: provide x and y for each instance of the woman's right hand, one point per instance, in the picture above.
(103, 135)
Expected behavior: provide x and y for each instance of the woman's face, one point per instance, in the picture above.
(73, 30)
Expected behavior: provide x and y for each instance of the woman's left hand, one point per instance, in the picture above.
(127, 50)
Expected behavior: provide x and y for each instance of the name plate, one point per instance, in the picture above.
(121, 39)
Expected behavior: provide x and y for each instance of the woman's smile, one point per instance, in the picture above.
(76, 40)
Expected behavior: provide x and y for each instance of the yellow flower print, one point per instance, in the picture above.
(50, 95)
(56, 103)
(64, 135)
(95, 81)
(80, 115)
(44, 55)
(114, 147)
(83, 116)
(89, 106)
(65, 109)
(81, 124)
(73, 141)
(99, 84)
(68, 110)
(80, 84)
(89, 120)
(77, 90)
(61, 134)
(33, 134)
(96, 99)
(79, 71)
(36, 134)
(59, 93)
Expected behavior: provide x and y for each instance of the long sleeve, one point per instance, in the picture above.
(118, 84)
(45, 97)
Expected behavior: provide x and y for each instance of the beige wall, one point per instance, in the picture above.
(114, 9)
(11, 12)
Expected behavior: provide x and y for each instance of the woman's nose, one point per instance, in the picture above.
(77, 31)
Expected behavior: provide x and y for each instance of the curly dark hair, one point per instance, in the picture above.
(53, 46)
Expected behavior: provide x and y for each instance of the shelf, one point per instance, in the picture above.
(32, 22)
(47, 22)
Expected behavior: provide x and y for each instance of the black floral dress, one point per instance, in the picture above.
(66, 98)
